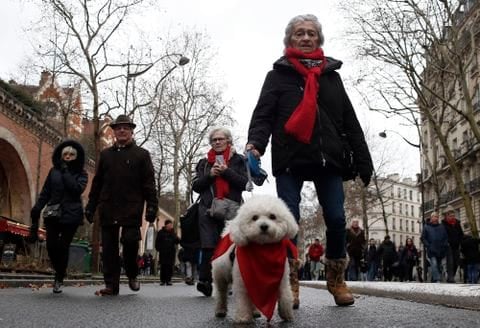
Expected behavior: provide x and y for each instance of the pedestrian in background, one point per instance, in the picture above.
(409, 259)
(356, 244)
(222, 174)
(435, 239)
(455, 236)
(165, 244)
(305, 111)
(64, 186)
(387, 252)
(372, 259)
(315, 252)
(471, 256)
(123, 187)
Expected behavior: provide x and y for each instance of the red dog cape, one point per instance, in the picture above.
(262, 267)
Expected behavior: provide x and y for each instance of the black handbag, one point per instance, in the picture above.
(189, 225)
(52, 212)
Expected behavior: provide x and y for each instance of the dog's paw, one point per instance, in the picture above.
(243, 319)
(285, 312)
(256, 314)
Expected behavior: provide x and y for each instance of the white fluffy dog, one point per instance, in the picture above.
(261, 233)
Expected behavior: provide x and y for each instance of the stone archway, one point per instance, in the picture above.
(15, 193)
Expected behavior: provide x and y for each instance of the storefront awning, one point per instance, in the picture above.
(17, 228)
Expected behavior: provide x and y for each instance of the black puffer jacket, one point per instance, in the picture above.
(64, 186)
(281, 93)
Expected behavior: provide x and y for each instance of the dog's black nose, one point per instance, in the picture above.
(264, 227)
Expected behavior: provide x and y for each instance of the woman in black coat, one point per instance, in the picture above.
(64, 185)
(222, 175)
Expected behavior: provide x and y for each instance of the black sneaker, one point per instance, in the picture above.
(57, 287)
(169, 283)
(134, 284)
(205, 288)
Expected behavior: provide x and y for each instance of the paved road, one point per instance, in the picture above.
(182, 306)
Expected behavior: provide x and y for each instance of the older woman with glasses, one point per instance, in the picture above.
(222, 174)
(305, 109)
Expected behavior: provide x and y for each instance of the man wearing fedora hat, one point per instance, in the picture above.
(124, 184)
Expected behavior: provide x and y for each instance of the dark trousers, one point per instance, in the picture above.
(453, 260)
(205, 268)
(166, 271)
(59, 238)
(387, 271)
(330, 195)
(111, 257)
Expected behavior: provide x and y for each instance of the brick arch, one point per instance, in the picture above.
(15, 178)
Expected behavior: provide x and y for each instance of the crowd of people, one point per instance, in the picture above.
(452, 255)
(305, 112)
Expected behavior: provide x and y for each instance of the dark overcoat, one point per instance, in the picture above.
(124, 182)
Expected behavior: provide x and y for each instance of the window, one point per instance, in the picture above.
(393, 224)
(411, 195)
(406, 209)
(400, 208)
(401, 239)
(393, 207)
(399, 194)
(413, 226)
(401, 225)
(418, 196)
(394, 238)
(404, 193)
(406, 225)
(413, 239)
(420, 211)
(412, 212)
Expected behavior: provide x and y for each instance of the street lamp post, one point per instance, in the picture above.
(383, 134)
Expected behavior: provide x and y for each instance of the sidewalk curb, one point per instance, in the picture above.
(461, 302)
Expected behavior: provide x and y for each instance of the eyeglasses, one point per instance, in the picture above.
(214, 140)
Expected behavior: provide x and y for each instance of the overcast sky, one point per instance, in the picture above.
(248, 37)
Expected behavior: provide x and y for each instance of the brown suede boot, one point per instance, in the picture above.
(294, 284)
(335, 283)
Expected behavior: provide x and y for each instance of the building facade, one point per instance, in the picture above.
(398, 206)
(449, 126)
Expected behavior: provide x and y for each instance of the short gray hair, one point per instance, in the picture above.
(299, 19)
(226, 132)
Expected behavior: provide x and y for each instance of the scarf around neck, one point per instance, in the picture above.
(301, 122)
(222, 187)
(262, 267)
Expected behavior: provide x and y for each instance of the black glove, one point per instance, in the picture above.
(35, 215)
(365, 179)
(151, 214)
(33, 236)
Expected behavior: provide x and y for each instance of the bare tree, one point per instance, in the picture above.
(430, 51)
(189, 104)
(84, 45)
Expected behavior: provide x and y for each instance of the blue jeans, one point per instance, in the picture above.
(372, 271)
(472, 273)
(353, 271)
(436, 268)
(330, 195)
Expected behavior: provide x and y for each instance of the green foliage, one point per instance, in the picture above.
(22, 96)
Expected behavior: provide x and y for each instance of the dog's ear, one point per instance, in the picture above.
(236, 234)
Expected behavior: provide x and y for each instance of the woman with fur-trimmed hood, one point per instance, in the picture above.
(64, 185)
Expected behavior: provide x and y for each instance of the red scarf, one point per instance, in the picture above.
(301, 122)
(451, 220)
(221, 185)
(262, 267)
